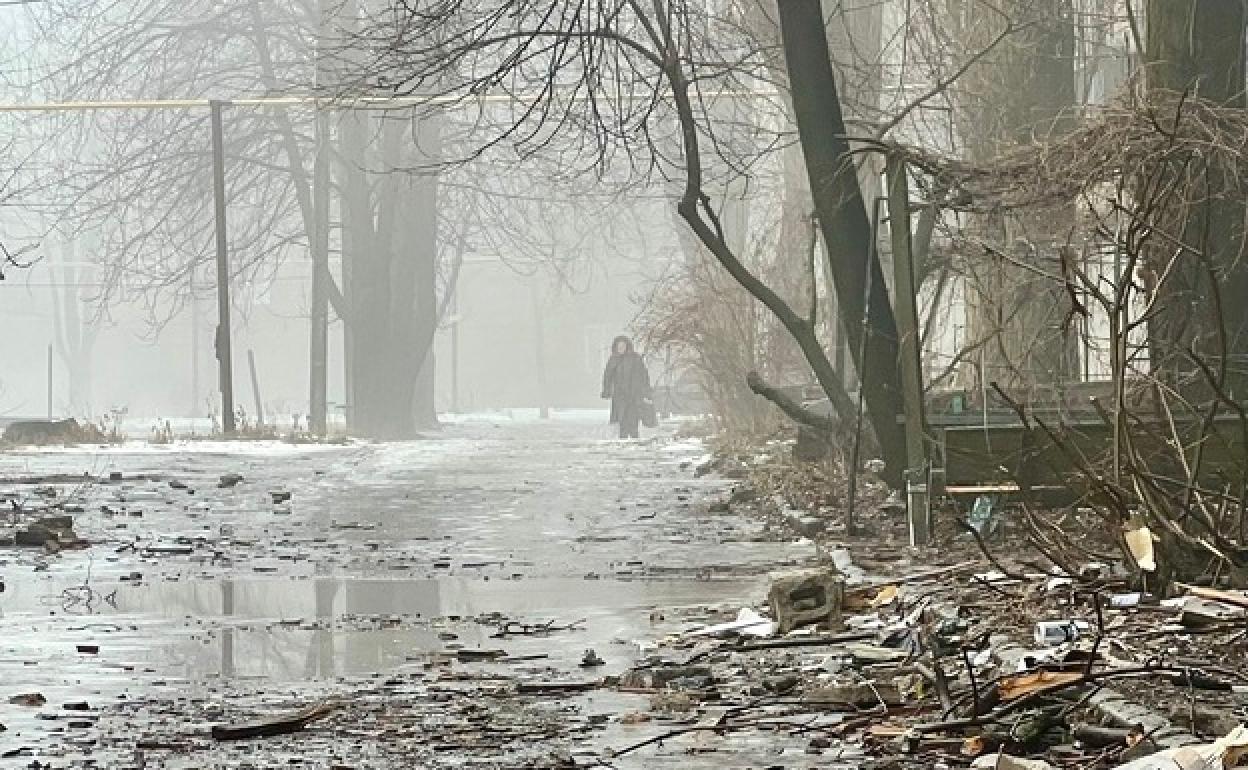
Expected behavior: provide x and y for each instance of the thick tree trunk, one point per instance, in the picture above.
(1196, 47)
(422, 246)
(390, 241)
(854, 33)
(1022, 92)
(73, 336)
(844, 223)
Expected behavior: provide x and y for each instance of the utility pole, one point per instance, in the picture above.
(193, 306)
(226, 369)
(318, 336)
(539, 347)
(318, 354)
(455, 348)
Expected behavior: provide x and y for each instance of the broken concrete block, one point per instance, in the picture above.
(861, 694)
(805, 597)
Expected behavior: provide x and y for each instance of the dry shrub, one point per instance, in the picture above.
(717, 334)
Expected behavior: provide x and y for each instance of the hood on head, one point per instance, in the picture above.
(627, 343)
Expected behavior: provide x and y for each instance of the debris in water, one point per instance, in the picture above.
(281, 725)
(591, 660)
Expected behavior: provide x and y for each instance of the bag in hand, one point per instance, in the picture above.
(649, 417)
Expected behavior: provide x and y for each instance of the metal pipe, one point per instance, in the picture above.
(872, 256)
(324, 102)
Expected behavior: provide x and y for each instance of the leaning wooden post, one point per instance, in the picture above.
(226, 370)
(255, 388)
(909, 355)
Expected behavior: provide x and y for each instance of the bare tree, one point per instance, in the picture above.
(75, 327)
(638, 85)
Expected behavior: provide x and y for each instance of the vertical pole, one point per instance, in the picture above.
(851, 527)
(193, 304)
(49, 382)
(318, 342)
(318, 357)
(908, 348)
(455, 349)
(226, 370)
(539, 348)
(255, 388)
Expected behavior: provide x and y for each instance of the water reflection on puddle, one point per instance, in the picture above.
(320, 628)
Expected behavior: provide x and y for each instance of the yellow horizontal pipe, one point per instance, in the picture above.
(357, 103)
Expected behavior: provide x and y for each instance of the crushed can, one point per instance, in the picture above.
(1051, 633)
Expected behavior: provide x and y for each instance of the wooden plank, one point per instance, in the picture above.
(279, 725)
(555, 688)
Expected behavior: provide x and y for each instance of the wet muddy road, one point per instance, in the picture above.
(372, 585)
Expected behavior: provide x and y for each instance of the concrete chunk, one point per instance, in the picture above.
(806, 597)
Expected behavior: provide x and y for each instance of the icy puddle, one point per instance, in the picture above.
(126, 640)
(391, 572)
(318, 628)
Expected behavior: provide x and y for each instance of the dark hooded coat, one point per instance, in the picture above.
(626, 382)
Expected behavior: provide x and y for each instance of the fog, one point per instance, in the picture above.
(469, 281)
(623, 383)
(508, 318)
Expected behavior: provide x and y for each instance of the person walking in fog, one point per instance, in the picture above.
(627, 383)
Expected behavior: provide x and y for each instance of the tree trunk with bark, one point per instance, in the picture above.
(1196, 48)
(846, 229)
(73, 335)
(1023, 91)
(854, 33)
(390, 244)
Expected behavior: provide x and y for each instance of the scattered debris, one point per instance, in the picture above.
(261, 728)
(53, 533)
(748, 623)
(1007, 762)
(555, 688)
(661, 675)
(1222, 753)
(477, 656)
(514, 628)
(1055, 632)
(591, 660)
(1139, 540)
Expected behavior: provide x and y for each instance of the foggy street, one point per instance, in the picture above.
(689, 384)
(217, 601)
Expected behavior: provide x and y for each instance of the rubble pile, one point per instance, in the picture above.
(953, 666)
